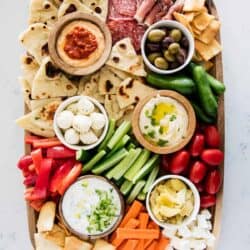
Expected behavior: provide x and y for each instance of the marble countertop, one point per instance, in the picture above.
(235, 232)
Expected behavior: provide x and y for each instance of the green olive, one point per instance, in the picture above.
(161, 63)
(156, 35)
(169, 56)
(153, 56)
(174, 48)
(176, 35)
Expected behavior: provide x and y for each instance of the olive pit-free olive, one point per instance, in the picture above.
(161, 63)
(174, 48)
(176, 34)
(156, 35)
(153, 56)
(153, 47)
(169, 56)
(166, 42)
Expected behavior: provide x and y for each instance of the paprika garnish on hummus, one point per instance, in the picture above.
(80, 44)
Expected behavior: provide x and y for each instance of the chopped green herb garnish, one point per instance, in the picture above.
(85, 184)
(162, 143)
(146, 127)
(161, 130)
(154, 122)
(147, 114)
(178, 129)
(172, 118)
(37, 118)
(151, 134)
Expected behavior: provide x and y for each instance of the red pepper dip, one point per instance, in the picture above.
(80, 43)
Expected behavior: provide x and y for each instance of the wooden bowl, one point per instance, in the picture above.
(55, 33)
(166, 149)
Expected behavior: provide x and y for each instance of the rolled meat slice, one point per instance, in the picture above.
(144, 9)
(176, 7)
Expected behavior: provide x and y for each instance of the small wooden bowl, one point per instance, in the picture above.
(167, 149)
(55, 33)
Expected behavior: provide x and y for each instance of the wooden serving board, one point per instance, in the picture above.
(217, 72)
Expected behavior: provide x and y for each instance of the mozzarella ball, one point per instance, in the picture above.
(65, 119)
(85, 106)
(71, 136)
(81, 123)
(88, 138)
(73, 107)
(98, 120)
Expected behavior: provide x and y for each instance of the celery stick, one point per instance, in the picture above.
(118, 171)
(120, 132)
(138, 164)
(131, 145)
(126, 187)
(151, 179)
(87, 167)
(141, 196)
(135, 191)
(146, 169)
(109, 134)
(110, 162)
(119, 182)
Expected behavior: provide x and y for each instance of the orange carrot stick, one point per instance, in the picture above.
(163, 243)
(143, 218)
(127, 233)
(151, 225)
(152, 246)
(129, 245)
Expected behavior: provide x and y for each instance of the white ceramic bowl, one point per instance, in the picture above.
(59, 132)
(168, 24)
(187, 220)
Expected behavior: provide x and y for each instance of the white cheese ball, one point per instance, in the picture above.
(71, 136)
(81, 123)
(88, 138)
(65, 119)
(98, 120)
(85, 106)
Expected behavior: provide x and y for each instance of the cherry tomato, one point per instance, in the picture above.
(213, 182)
(208, 201)
(212, 137)
(212, 157)
(179, 162)
(165, 162)
(197, 172)
(197, 145)
(200, 187)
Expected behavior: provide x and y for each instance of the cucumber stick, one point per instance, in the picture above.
(83, 155)
(110, 162)
(135, 191)
(141, 196)
(146, 169)
(151, 179)
(126, 187)
(118, 171)
(87, 167)
(109, 134)
(138, 164)
(120, 132)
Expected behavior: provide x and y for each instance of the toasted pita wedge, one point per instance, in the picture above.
(29, 67)
(193, 5)
(35, 104)
(189, 16)
(57, 3)
(43, 244)
(41, 11)
(51, 82)
(201, 21)
(73, 243)
(35, 41)
(56, 235)
(123, 57)
(26, 90)
(119, 73)
(108, 82)
(40, 121)
(100, 7)
(131, 91)
(207, 65)
(104, 245)
(183, 20)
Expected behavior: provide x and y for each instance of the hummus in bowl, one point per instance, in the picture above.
(164, 122)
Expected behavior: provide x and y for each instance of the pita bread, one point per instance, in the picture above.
(46, 217)
(35, 41)
(26, 91)
(29, 68)
(193, 5)
(73, 243)
(57, 3)
(34, 104)
(56, 235)
(100, 7)
(201, 21)
(189, 16)
(121, 74)
(131, 91)
(51, 82)
(183, 20)
(103, 245)
(41, 11)
(40, 121)
(108, 82)
(42, 243)
(123, 57)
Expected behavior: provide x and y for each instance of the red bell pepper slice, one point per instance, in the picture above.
(70, 178)
(46, 143)
(30, 180)
(42, 182)
(24, 162)
(59, 175)
(60, 152)
(37, 157)
(29, 139)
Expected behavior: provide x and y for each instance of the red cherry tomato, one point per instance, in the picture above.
(197, 172)
(200, 187)
(208, 201)
(179, 162)
(213, 182)
(212, 137)
(165, 162)
(212, 157)
(197, 145)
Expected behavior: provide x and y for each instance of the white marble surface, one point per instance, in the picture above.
(236, 40)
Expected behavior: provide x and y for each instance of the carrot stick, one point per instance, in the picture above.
(46, 143)
(132, 223)
(133, 212)
(129, 245)
(151, 225)
(152, 246)
(127, 233)
(162, 243)
(143, 218)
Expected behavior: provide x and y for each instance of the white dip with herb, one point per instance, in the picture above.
(91, 206)
(164, 121)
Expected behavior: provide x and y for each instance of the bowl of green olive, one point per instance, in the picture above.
(167, 47)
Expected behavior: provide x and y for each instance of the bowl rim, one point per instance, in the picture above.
(187, 220)
(58, 131)
(110, 229)
(174, 24)
(56, 31)
(167, 149)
